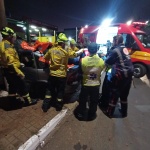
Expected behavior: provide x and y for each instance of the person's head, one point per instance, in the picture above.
(62, 40)
(73, 43)
(8, 34)
(92, 48)
(119, 39)
(114, 41)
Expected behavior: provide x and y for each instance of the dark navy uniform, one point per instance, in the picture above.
(121, 78)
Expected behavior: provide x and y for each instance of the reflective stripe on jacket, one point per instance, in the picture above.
(9, 57)
(92, 67)
(59, 60)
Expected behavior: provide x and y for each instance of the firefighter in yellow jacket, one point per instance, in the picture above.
(58, 57)
(11, 65)
(73, 47)
(91, 68)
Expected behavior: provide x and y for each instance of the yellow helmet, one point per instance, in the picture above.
(62, 38)
(7, 31)
(73, 42)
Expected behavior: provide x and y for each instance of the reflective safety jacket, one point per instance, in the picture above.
(74, 49)
(59, 60)
(91, 67)
(9, 57)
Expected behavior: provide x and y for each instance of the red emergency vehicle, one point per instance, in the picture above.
(136, 40)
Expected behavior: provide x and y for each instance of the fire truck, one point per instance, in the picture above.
(135, 39)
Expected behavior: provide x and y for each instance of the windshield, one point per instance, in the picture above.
(145, 39)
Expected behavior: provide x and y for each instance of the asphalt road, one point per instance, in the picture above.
(130, 133)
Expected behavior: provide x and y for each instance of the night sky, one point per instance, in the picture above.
(77, 13)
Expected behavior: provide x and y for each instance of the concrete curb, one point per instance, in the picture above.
(37, 139)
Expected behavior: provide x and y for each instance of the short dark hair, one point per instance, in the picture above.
(92, 48)
(120, 38)
(115, 38)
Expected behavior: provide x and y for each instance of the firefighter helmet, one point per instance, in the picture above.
(62, 38)
(7, 31)
(73, 42)
(92, 48)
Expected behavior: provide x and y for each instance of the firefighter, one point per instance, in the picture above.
(73, 47)
(91, 68)
(58, 57)
(121, 77)
(11, 65)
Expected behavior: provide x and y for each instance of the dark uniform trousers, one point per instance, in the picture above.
(56, 86)
(16, 84)
(93, 93)
(119, 89)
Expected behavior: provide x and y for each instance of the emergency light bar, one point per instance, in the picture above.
(138, 25)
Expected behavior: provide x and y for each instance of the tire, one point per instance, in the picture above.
(139, 70)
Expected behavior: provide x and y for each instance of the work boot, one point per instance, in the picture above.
(28, 101)
(59, 105)
(46, 104)
(91, 116)
(81, 113)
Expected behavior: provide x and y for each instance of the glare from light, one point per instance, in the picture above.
(34, 27)
(44, 29)
(86, 26)
(129, 22)
(146, 22)
(82, 30)
(24, 28)
(69, 38)
(107, 22)
(20, 25)
(30, 30)
(36, 30)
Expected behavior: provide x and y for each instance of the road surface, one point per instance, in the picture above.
(130, 133)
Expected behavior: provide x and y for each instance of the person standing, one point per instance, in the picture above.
(91, 68)
(11, 65)
(58, 57)
(104, 97)
(73, 47)
(121, 77)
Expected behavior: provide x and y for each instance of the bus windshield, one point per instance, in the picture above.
(145, 39)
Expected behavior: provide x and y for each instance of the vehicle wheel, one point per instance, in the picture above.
(139, 70)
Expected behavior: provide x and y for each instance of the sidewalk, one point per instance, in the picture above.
(17, 126)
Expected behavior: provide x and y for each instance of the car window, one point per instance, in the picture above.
(128, 40)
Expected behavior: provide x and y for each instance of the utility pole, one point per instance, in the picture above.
(3, 21)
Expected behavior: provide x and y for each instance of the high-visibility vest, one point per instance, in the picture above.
(92, 67)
